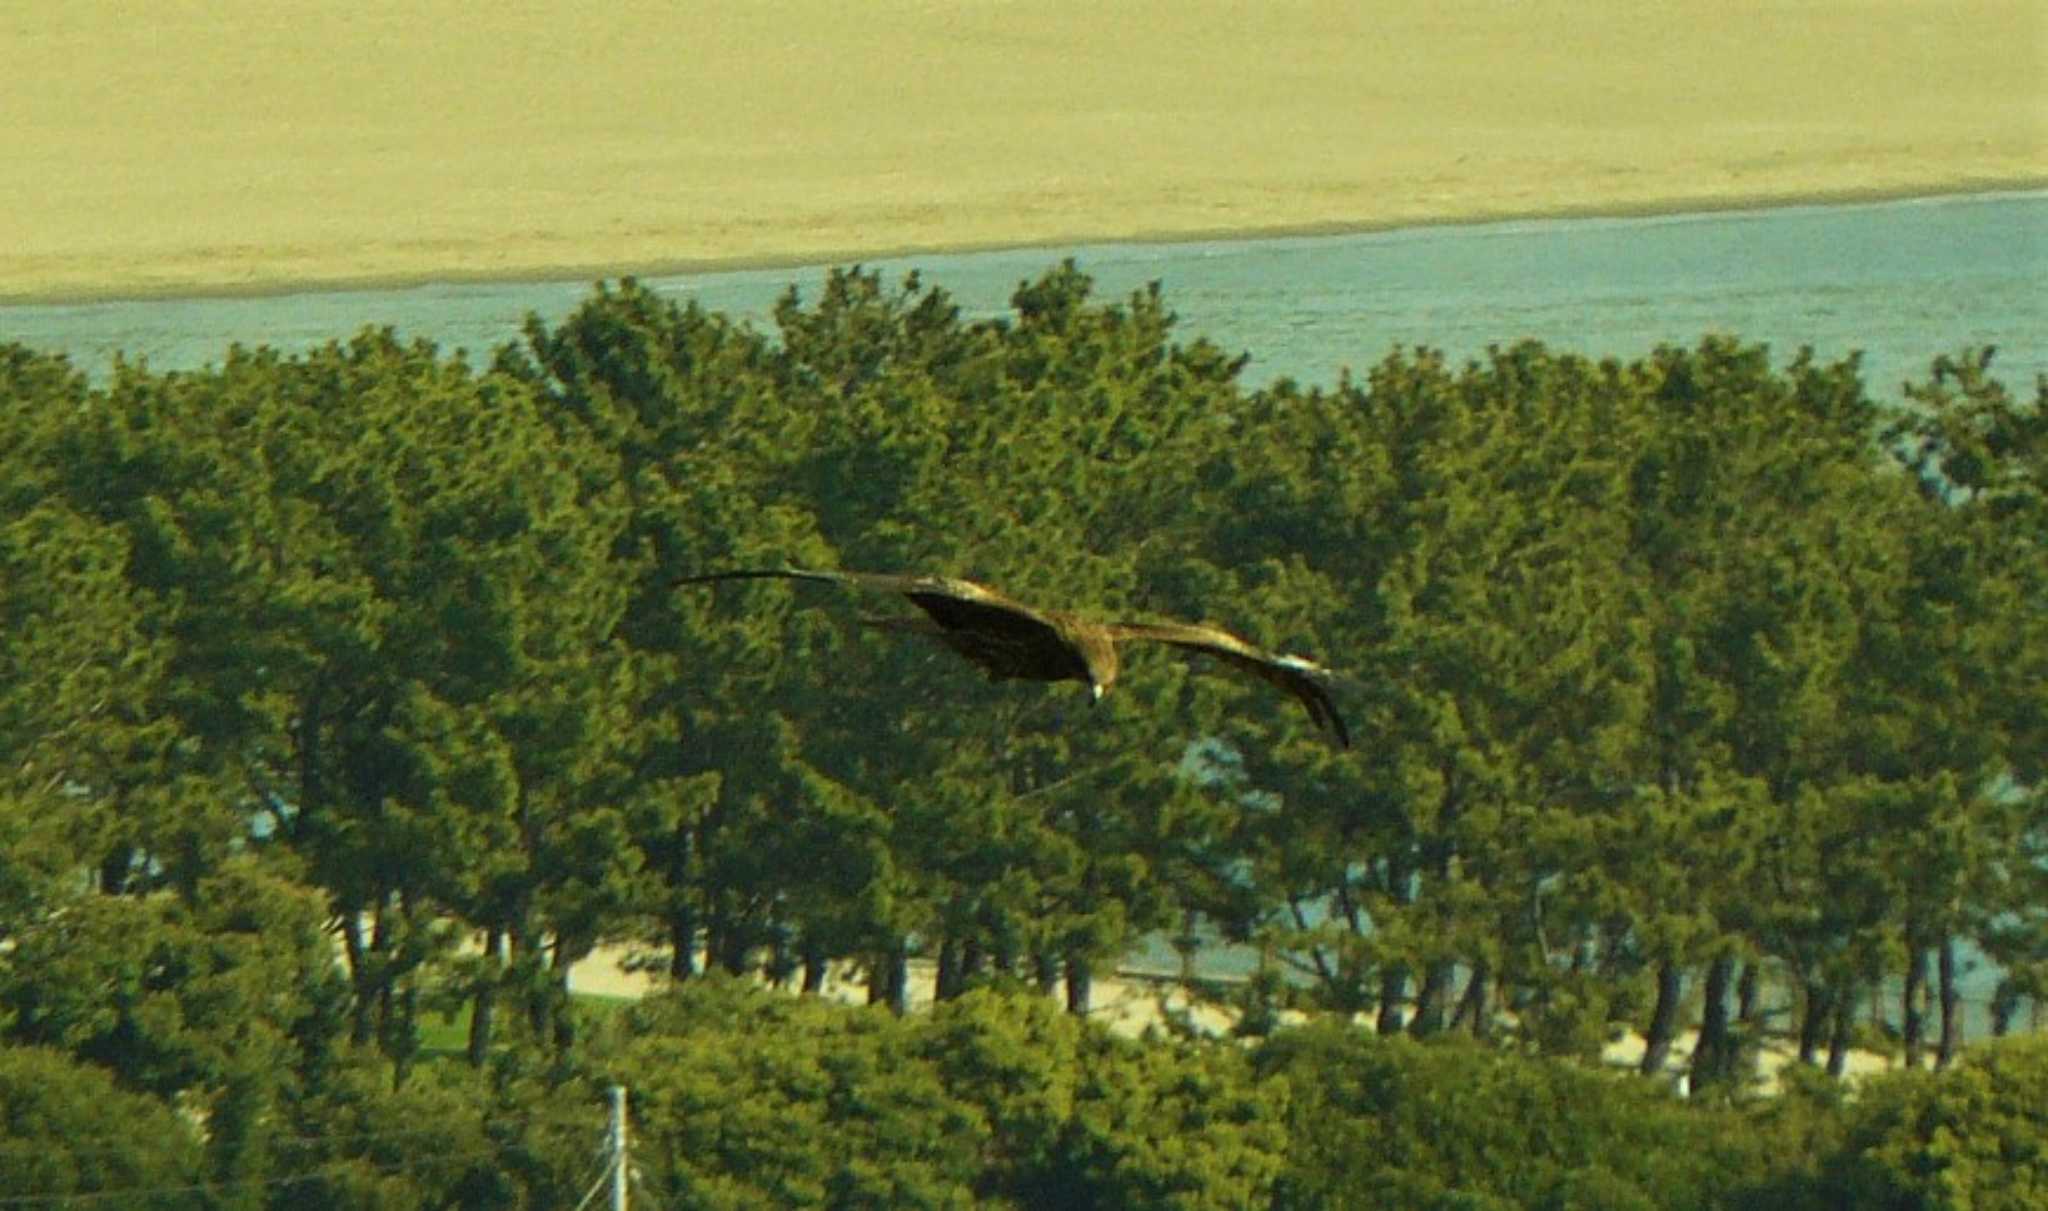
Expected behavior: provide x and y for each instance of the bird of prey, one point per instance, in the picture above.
(1012, 640)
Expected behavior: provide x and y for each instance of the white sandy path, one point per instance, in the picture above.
(1133, 1005)
(1127, 1003)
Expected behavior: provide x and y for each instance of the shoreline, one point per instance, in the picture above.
(602, 269)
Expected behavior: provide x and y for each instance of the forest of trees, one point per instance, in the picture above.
(348, 693)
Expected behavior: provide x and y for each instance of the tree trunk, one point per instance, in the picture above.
(1951, 1007)
(1003, 953)
(1393, 994)
(682, 944)
(946, 983)
(1080, 984)
(2005, 1004)
(1912, 1023)
(1429, 1005)
(564, 1022)
(732, 946)
(782, 962)
(1746, 990)
(384, 1019)
(484, 1008)
(115, 869)
(1045, 972)
(1813, 1019)
(889, 983)
(816, 965)
(1472, 1010)
(714, 940)
(1715, 1056)
(1663, 1018)
(362, 1017)
(1843, 1026)
(402, 1034)
(973, 957)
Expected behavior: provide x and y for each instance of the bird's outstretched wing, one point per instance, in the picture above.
(1004, 636)
(911, 585)
(881, 582)
(1302, 678)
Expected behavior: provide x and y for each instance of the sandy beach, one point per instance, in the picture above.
(171, 146)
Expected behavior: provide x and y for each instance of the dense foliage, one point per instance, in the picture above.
(345, 692)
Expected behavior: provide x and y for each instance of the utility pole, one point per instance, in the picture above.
(619, 1165)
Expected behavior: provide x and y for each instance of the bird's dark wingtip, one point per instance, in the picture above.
(749, 574)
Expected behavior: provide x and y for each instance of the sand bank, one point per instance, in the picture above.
(170, 147)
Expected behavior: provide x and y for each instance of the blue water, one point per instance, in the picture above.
(1901, 281)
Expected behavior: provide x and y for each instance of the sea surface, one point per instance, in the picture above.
(1900, 281)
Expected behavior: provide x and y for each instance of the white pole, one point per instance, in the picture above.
(618, 1148)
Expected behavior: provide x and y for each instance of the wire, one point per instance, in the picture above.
(396, 1133)
(590, 1193)
(138, 1192)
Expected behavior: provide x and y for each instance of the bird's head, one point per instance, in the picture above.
(1098, 662)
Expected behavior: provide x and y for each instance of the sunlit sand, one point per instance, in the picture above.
(1135, 1006)
(245, 145)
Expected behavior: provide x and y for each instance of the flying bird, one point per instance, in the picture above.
(1012, 640)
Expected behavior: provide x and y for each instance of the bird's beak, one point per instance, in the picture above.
(1095, 689)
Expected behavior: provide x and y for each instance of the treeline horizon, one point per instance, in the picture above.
(1669, 678)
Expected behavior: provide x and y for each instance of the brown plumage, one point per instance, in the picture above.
(1012, 640)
